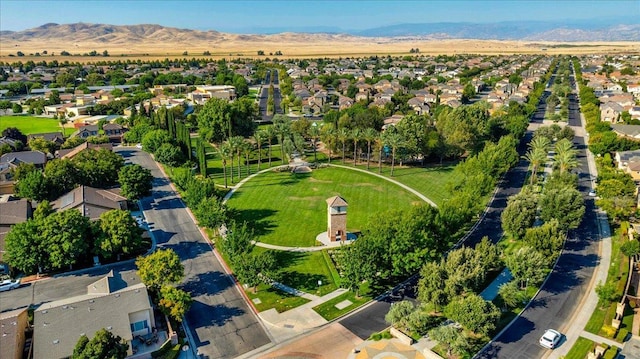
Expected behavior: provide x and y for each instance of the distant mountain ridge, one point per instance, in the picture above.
(528, 31)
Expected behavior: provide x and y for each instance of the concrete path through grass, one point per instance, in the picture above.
(491, 292)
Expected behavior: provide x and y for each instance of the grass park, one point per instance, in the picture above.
(289, 209)
(30, 124)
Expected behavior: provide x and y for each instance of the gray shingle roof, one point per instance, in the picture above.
(58, 325)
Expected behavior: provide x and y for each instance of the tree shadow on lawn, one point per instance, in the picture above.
(258, 219)
(301, 281)
(295, 178)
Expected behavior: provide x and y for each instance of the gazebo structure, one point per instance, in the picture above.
(337, 219)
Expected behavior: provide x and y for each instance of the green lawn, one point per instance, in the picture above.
(329, 311)
(580, 349)
(290, 209)
(273, 298)
(303, 270)
(29, 124)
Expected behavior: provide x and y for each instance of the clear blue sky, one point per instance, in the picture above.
(257, 16)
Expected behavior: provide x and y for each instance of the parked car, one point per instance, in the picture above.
(592, 193)
(550, 338)
(139, 145)
(9, 284)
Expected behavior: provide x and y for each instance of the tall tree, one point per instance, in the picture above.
(537, 155)
(394, 140)
(270, 133)
(174, 302)
(565, 157)
(314, 134)
(135, 181)
(527, 266)
(282, 125)
(163, 267)
(369, 135)
(343, 136)
(226, 153)
(67, 236)
(473, 313)
(259, 138)
(247, 150)
(356, 136)
(120, 234)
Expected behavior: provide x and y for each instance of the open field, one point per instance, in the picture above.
(29, 124)
(290, 209)
(298, 46)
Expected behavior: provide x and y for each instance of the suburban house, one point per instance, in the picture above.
(7, 183)
(14, 144)
(91, 202)
(121, 307)
(86, 131)
(628, 161)
(13, 325)
(72, 152)
(629, 131)
(206, 92)
(36, 157)
(114, 131)
(610, 112)
(55, 137)
(11, 213)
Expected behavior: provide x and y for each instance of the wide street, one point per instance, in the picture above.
(220, 322)
(264, 95)
(557, 300)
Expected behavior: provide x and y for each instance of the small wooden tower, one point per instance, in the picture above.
(337, 218)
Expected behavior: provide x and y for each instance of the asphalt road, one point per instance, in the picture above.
(220, 321)
(557, 299)
(264, 95)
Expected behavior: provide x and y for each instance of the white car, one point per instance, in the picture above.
(592, 193)
(9, 284)
(550, 338)
(139, 145)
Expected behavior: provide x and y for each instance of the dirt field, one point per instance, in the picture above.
(299, 46)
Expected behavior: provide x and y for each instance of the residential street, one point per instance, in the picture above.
(220, 321)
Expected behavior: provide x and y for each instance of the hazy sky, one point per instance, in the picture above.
(254, 16)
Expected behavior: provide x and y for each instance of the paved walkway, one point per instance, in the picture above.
(585, 308)
(491, 292)
(297, 249)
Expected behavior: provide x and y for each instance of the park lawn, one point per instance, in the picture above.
(29, 124)
(274, 298)
(430, 180)
(303, 270)
(580, 349)
(290, 209)
(329, 311)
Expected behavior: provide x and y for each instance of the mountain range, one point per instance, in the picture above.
(526, 31)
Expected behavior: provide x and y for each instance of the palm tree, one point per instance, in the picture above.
(328, 135)
(225, 153)
(259, 137)
(270, 133)
(356, 136)
(63, 121)
(537, 155)
(369, 135)
(236, 145)
(565, 157)
(282, 126)
(247, 149)
(379, 142)
(394, 140)
(314, 134)
(343, 136)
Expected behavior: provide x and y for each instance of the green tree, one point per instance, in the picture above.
(253, 269)
(16, 108)
(473, 313)
(103, 345)
(98, 168)
(370, 136)
(630, 248)
(399, 313)
(527, 266)
(160, 268)
(66, 235)
(174, 302)
(120, 234)
(237, 240)
(226, 153)
(270, 133)
(169, 154)
(135, 181)
(565, 158)
(520, 213)
(511, 294)
(537, 155)
(152, 140)
(356, 136)
(431, 287)
(546, 239)
(395, 141)
(566, 205)
(42, 145)
(211, 212)
(33, 186)
(343, 136)
(259, 138)
(450, 338)
(607, 293)
(25, 248)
